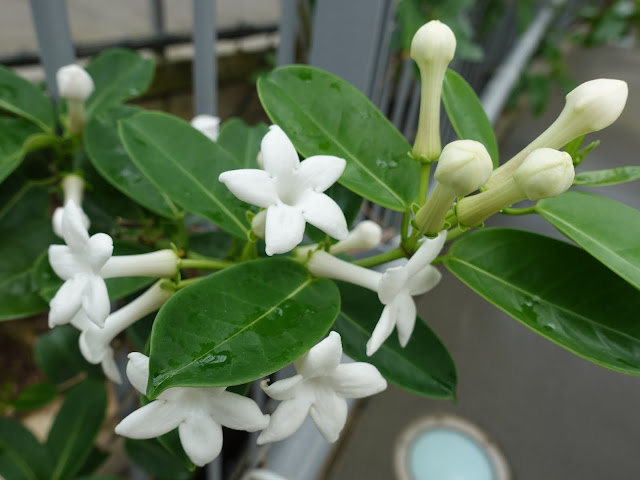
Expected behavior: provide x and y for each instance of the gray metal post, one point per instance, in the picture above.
(287, 29)
(157, 17)
(54, 38)
(205, 81)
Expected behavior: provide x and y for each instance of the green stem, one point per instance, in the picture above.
(404, 230)
(380, 259)
(425, 171)
(455, 233)
(187, 282)
(518, 211)
(204, 263)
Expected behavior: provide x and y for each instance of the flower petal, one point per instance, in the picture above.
(99, 250)
(392, 282)
(253, 186)
(73, 227)
(284, 228)
(329, 412)
(282, 389)
(201, 438)
(404, 309)
(356, 380)
(427, 252)
(95, 300)
(237, 412)
(138, 371)
(67, 301)
(80, 321)
(64, 262)
(383, 329)
(278, 154)
(110, 368)
(287, 418)
(93, 344)
(152, 420)
(423, 281)
(322, 358)
(321, 171)
(322, 212)
(56, 220)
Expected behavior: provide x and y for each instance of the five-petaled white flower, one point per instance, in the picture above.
(396, 288)
(198, 413)
(79, 263)
(291, 191)
(319, 389)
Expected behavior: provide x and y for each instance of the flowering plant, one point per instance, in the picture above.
(246, 252)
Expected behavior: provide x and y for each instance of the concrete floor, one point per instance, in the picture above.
(554, 415)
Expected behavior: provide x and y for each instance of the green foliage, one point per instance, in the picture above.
(324, 115)
(21, 456)
(611, 176)
(24, 99)
(557, 290)
(242, 141)
(15, 134)
(153, 459)
(35, 396)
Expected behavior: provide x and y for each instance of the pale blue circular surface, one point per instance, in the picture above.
(445, 454)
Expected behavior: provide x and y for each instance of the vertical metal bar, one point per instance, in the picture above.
(384, 53)
(406, 79)
(411, 122)
(157, 17)
(288, 29)
(54, 38)
(205, 81)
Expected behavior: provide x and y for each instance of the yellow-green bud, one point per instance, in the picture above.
(590, 107)
(432, 48)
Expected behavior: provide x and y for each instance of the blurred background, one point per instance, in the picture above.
(552, 414)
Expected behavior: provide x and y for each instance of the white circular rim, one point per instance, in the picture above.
(453, 422)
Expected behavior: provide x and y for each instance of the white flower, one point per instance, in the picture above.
(319, 389)
(397, 287)
(75, 86)
(95, 343)
(198, 413)
(291, 191)
(207, 124)
(79, 263)
(72, 188)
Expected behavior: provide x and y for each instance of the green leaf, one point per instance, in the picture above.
(99, 477)
(21, 97)
(153, 459)
(239, 324)
(185, 165)
(613, 176)
(14, 135)
(325, 115)
(21, 246)
(118, 75)
(70, 440)
(608, 230)
(555, 289)
(109, 157)
(48, 283)
(466, 114)
(423, 367)
(94, 460)
(242, 141)
(211, 244)
(21, 456)
(35, 396)
(57, 354)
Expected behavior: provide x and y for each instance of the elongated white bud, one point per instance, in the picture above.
(72, 189)
(365, 236)
(432, 48)
(160, 264)
(75, 85)
(324, 265)
(590, 107)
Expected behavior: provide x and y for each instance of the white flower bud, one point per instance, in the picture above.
(464, 166)
(432, 48)
(589, 107)
(365, 236)
(160, 264)
(259, 223)
(545, 173)
(74, 83)
(208, 125)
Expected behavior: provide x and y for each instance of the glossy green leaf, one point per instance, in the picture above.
(150, 456)
(99, 477)
(185, 165)
(23, 98)
(242, 141)
(613, 176)
(35, 396)
(14, 134)
(423, 367)
(110, 158)
(57, 354)
(466, 114)
(48, 282)
(239, 324)
(211, 244)
(75, 428)
(555, 289)
(93, 461)
(118, 75)
(22, 244)
(608, 230)
(21, 456)
(325, 115)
